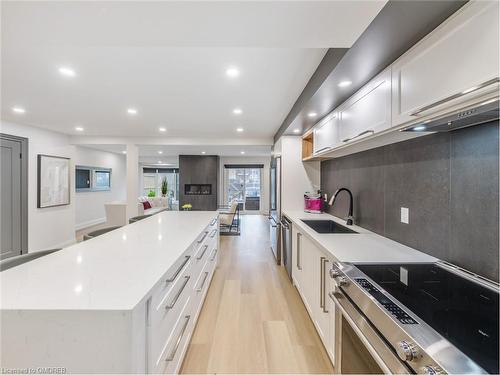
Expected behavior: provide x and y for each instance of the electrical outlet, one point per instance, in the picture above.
(405, 215)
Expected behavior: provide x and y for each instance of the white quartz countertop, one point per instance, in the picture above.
(362, 248)
(114, 271)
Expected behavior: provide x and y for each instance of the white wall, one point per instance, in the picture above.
(89, 206)
(264, 208)
(297, 176)
(54, 226)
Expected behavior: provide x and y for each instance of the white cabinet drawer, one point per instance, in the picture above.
(172, 352)
(444, 68)
(166, 313)
(368, 111)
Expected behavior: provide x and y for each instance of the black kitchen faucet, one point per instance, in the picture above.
(332, 201)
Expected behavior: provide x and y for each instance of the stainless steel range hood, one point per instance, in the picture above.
(484, 112)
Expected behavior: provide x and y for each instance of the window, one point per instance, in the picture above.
(102, 179)
(152, 181)
(82, 178)
(244, 184)
(92, 179)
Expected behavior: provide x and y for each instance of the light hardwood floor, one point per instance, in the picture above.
(253, 320)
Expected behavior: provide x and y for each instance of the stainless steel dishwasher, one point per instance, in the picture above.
(286, 234)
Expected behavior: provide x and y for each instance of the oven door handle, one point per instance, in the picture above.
(339, 294)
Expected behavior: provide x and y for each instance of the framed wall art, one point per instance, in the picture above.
(53, 181)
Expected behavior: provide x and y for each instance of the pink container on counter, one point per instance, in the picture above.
(313, 204)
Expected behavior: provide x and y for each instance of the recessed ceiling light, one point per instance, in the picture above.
(18, 110)
(237, 111)
(232, 72)
(79, 129)
(296, 131)
(162, 129)
(239, 130)
(124, 152)
(312, 114)
(344, 83)
(159, 161)
(160, 152)
(68, 72)
(203, 152)
(132, 111)
(242, 152)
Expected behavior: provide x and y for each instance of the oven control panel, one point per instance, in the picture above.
(390, 306)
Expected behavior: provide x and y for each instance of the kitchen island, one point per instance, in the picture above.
(126, 301)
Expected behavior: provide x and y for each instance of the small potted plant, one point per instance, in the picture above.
(151, 194)
(187, 207)
(164, 187)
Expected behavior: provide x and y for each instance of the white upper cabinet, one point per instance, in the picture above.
(457, 61)
(326, 134)
(368, 111)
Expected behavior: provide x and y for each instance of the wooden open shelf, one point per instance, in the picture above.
(307, 146)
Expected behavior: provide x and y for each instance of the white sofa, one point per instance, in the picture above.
(157, 204)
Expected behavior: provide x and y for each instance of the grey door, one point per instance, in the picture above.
(10, 198)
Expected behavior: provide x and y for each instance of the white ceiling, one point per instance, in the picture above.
(169, 156)
(152, 152)
(167, 60)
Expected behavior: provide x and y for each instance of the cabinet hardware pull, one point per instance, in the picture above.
(323, 262)
(214, 253)
(359, 135)
(322, 149)
(205, 247)
(299, 265)
(202, 238)
(214, 232)
(454, 96)
(178, 294)
(176, 273)
(203, 282)
(212, 223)
(171, 356)
(321, 294)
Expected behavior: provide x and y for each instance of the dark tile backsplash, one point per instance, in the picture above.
(449, 182)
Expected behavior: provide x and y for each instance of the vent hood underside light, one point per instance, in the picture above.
(480, 114)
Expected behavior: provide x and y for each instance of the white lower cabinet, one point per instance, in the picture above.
(311, 278)
(176, 303)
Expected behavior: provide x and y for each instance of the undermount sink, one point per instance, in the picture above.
(327, 226)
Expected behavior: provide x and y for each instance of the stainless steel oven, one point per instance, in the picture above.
(425, 318)
(359, 348)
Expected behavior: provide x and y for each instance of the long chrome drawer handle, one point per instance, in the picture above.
(455, 96)
(214, 253)
(203, 282)
(176, 273)
(214, 232)
(212, 223)
(178, 294)
(299, 266)
(359, 135)
(202, 238)
(205, 247)
(171, 356)
(322, 149)
(323, 266)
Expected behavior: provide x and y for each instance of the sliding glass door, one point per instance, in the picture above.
(243, 184)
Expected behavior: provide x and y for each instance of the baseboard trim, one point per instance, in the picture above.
(90, 223)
